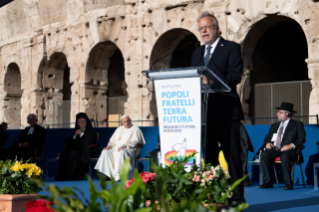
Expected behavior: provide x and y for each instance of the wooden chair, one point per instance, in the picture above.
(293, 162)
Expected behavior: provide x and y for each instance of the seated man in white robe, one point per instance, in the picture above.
(121, 146)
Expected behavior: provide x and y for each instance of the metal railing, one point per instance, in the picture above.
(270, 120)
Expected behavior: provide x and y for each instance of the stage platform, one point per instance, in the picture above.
(260, 200)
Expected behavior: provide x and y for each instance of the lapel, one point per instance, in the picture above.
(218, 49)
(288, 128)
(202, 54)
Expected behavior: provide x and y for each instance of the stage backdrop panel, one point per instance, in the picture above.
(257, 133)
(55, 140)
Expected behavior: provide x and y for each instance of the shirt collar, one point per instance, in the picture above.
(214, 44)
(285, 122)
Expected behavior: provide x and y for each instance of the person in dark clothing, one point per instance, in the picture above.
(74, 160)
(30, 144)
(3, 136)
(245, 146)
(224, 110)
(283, 140)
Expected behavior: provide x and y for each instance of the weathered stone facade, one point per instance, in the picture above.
(44, 43)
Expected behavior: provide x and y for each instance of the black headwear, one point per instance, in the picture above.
(286, 106)
(88, 122)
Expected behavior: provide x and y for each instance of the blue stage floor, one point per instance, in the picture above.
(260, 200)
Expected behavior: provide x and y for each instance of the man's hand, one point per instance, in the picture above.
(269, 146)
(78, 132)
(21, 145)
(107, 148)
(287, 147)
(26, 144)
(205, 80)
(122, 147)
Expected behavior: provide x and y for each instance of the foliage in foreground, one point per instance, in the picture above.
(18, 178)
(130, 199)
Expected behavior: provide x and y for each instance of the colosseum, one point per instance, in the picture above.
(61, 57)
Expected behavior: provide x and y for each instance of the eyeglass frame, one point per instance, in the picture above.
(206, 27)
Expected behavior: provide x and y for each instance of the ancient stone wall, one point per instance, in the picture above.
(46, 39)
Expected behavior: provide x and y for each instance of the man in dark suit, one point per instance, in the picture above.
(30, 143)
(224, 109)
(284, 139)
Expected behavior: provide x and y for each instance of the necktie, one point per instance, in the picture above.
(278, 140)
(207, 56)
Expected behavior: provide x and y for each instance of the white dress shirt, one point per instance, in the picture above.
(213, 47)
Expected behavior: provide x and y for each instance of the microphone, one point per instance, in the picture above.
(170, 53)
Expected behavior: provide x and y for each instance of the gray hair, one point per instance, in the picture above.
(207, 14)
(32, 115)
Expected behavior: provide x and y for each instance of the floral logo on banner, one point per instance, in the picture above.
(179, 151)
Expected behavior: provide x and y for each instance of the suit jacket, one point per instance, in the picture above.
(294, 133)
(227, 63)
(36, 140)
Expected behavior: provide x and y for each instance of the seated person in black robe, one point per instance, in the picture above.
(74, 160)
(3, 135)
(30, 144)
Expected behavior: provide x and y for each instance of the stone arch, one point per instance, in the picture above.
(12, 95)
(274, 50)
(53, 91)
(105, 86)
(168, 42)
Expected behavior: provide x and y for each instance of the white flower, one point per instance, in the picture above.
(230, 194)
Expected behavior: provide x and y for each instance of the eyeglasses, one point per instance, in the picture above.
(205, 27)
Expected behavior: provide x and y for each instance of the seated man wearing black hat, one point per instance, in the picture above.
(284, 139)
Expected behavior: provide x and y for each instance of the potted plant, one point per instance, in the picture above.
(17, 184)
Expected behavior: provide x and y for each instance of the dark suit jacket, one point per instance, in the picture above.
(36, 140)
(294, 133)
(226, 62)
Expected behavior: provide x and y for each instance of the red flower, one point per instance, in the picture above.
(39, 206)
(152, 176)
(129, 183)
(145, 179)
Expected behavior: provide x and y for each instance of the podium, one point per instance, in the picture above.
(182, 105)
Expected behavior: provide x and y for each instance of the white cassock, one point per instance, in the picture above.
(111, 161)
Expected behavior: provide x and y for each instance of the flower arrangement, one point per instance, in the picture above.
(215, 179)
(18, 178)
(182, 184)
(124, 196)
(39, 206)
